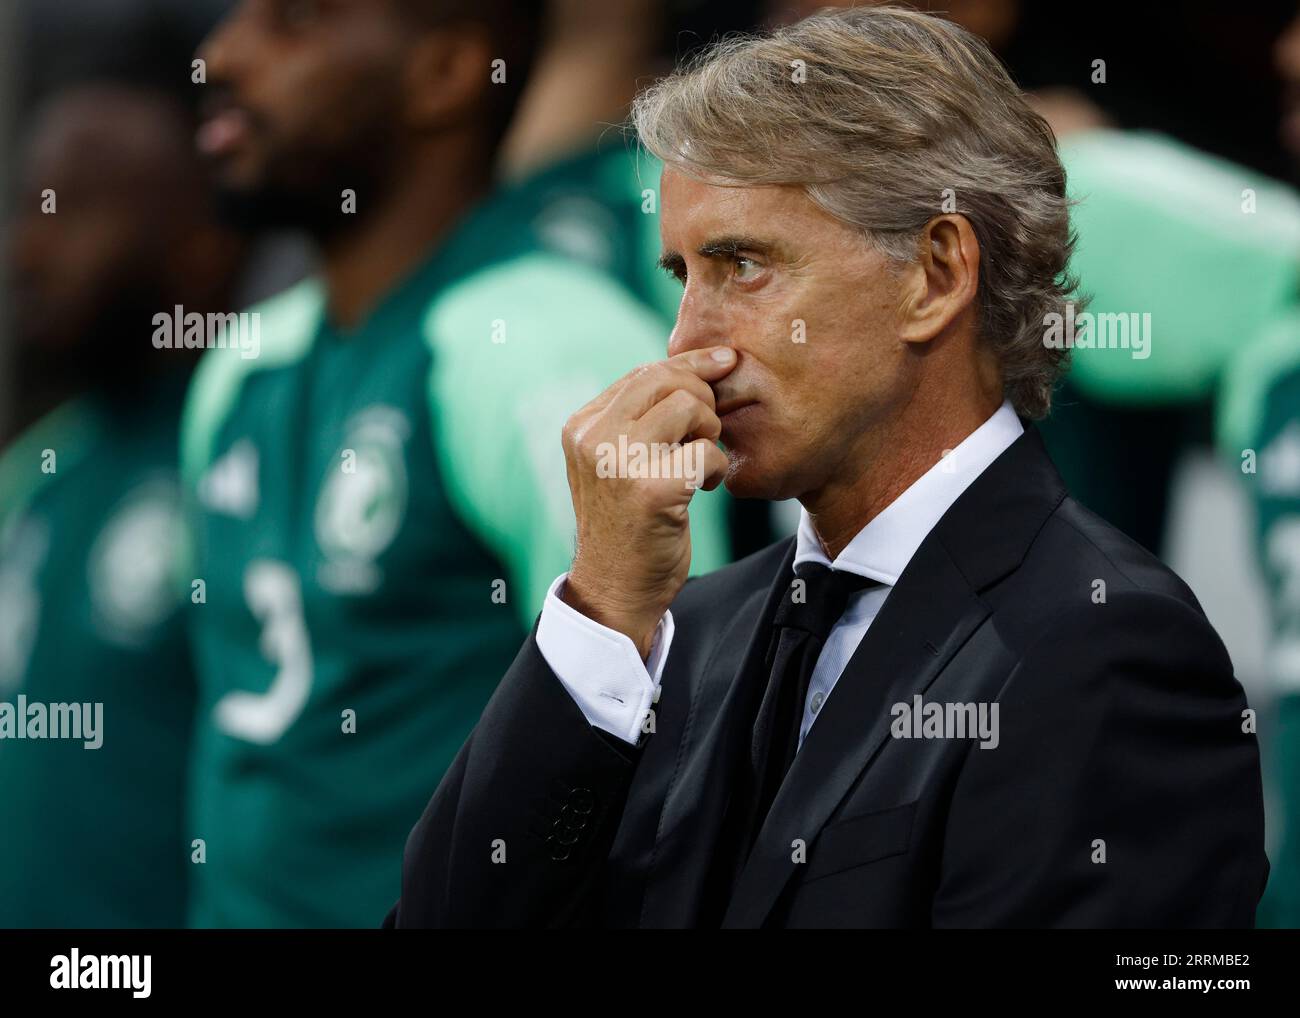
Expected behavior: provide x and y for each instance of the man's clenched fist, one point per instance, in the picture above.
(636, 454)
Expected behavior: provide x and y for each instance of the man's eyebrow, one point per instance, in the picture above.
(730, 246)
(722, 247)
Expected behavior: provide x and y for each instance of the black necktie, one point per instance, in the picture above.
(804, 618)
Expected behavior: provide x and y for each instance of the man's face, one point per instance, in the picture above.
(89, 269)
(306, 100)
(810, 309)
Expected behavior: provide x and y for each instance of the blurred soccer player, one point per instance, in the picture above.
(378, 513)
(113, 225)
(1259, 434)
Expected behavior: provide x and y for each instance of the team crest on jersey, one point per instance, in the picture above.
(131, 568)
(362, 501)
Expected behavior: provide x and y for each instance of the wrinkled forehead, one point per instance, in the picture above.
(696, 210)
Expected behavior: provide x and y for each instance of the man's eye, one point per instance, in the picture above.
(746, 269)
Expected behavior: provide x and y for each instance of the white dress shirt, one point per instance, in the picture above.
(603, 671)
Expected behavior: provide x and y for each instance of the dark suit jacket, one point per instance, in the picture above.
(1123, 792)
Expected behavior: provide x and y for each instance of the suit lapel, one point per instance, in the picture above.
(928, 615)
(931, 612)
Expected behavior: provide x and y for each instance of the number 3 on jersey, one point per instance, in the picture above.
(274, 596)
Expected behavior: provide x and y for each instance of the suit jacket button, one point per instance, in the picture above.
(565, 836)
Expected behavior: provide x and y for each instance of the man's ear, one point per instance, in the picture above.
(943, 281)
(448, 70)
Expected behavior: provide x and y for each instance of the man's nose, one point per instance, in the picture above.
(698, 325)
(229, 38)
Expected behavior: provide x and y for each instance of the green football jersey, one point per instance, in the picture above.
(1186, 254)
(377, 515)
(93, 651)
(1259, 433)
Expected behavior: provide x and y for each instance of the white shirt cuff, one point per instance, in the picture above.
(601, 667)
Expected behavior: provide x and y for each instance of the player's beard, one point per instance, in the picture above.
(305, 190)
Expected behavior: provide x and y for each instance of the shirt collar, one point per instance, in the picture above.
(882, 549)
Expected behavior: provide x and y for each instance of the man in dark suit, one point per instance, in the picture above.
(955, 698)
